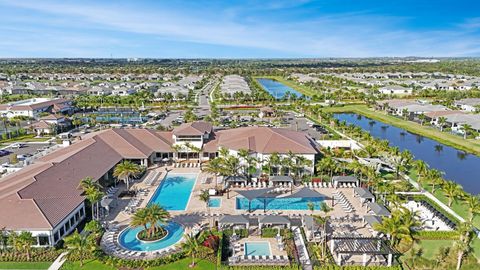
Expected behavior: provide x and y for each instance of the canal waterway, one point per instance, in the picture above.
(277, 89)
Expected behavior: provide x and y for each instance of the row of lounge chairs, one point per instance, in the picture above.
(346, 185)
(186, 165)
(111, 191)
(318, 185)
(342, 200)
(439, 214)
(133, 205)
(259, 260)
(152, 177)
(263, 185)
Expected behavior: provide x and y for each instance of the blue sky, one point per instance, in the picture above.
(239, 29)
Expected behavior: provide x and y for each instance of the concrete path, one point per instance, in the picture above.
(57, 264)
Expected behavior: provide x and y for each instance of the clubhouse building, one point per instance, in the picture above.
(45, 198)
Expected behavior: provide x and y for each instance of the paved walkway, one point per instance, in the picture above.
(57, 264)
(301, 249)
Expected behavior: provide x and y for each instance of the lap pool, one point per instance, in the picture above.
(278, 203)
(174, 192)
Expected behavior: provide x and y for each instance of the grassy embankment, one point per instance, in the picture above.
(181, 264)
(469, 145)
(24, 265)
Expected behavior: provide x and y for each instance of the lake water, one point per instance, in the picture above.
(277, 89)
(458, 166)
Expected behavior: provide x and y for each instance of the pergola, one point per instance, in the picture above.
(347, 179)
(364, 194)
(234, 220)
(281, 179)
(378, 209)
(236, 179)
(273, 221)
(366, 246)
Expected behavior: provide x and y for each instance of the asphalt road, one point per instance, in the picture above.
(30, 148)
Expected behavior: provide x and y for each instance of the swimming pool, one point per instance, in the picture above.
(174, 191)
(278, 203)
(214, 202)
(257, 249)
(128, 238)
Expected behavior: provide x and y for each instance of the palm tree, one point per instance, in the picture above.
(422, 169)
(93, 193)
(311, 206)
(125, 170)
(273, 162)
(150, 218)
(79, 245)
(22, 242)
(434, 176)
(205, 197)
(399, 226)
(405, 114)
(462, 245)
(441, 122)
(214, 167)
(451, 190)
(466, 128)
(473, 204)
(191, 246)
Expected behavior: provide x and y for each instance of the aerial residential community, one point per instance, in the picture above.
(239, 135)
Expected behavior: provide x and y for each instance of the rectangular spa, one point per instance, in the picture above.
(257, 249)
(174, 191)
(214, 202)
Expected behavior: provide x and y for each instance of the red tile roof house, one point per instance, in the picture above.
(35, 106)
(45, 198)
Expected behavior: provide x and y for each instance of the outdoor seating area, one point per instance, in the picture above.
(264, 251)
(152, 177)
(341, 199)
(431, 218)
(318, 185)
(186, 165)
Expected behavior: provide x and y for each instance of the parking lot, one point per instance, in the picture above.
(27, 149)
(302, 124)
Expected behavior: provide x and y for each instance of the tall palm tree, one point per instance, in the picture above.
(205, 197)
(214, 167)
(473, 204)
(191, 246)
(79, 245)
(441, 122)
(451, 190)
(462, 245)
(126, 170)
(92, 190)
(434, 177)
(422, 168)
(466, 128)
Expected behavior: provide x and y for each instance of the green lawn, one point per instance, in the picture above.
(24, 265)
(97, 265)
(469, 145)
(431, 247)
(87, 265)
(183, 264)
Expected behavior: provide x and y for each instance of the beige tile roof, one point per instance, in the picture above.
(267, 140)
(194, 128)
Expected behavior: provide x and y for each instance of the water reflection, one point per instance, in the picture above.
(457, 165)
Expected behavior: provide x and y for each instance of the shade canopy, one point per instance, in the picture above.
(274, 220)
(306, 193)
(378, 209)
(372, 220)
(363, 193)
(234, 220)
(256, 193)
(281, 178)
(345, 179)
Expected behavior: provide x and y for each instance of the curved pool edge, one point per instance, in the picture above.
(118, 242)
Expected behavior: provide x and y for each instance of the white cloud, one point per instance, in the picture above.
(353, 34)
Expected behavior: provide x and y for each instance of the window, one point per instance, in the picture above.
(56, 236)
(82, 212)
(61, 231)
(67, 226)
(43, 240)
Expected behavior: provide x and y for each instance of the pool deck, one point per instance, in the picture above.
(197, 213)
